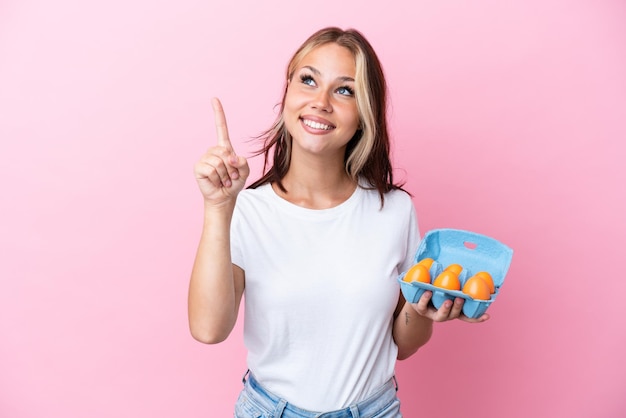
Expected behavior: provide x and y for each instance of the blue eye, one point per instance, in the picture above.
(307, 79)
(346, 91)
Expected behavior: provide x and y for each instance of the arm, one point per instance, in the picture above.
(413, 322)
(410, 330)
(216, 285)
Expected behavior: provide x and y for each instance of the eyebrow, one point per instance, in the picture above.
(317, 72)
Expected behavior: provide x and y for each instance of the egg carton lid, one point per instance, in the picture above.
(474, 252)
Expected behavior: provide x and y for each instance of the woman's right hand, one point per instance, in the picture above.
(221, 174)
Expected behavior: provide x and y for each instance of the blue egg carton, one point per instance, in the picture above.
(474, 252)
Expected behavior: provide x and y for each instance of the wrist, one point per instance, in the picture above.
(222, 208)
(410, 308)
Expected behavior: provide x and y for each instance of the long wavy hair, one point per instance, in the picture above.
(367, 153)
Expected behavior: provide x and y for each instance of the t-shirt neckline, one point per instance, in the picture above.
(317, 213)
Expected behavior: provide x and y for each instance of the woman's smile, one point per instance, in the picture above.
(316, 124)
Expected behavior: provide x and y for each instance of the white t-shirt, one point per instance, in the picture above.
(320, 291)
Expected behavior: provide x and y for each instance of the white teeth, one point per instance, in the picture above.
(316, 125)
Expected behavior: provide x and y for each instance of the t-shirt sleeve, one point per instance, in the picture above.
(236, 250)
(413, 238)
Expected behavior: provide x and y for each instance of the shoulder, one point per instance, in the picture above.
(259, 197)
(399, 197)
(259, 192)
(393, 199)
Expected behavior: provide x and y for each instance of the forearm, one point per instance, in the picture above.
(213, 299)
(410, 331)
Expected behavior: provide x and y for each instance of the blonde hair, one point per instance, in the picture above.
(367, 153)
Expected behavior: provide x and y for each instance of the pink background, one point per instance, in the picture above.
(508, 118)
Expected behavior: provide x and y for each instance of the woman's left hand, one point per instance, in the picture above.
(447, 311)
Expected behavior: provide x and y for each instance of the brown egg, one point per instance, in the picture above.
(477, 288)
(426, 262)
(456, 268)
(417, 273)
(448, 280)
(488, 279)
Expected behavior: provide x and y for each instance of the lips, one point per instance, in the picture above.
(318, 124)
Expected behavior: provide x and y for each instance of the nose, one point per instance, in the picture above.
(321, 101)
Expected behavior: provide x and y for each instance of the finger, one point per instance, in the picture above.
(213, 168)
(206, 171)
(478, 320)
(457, 307)
(422, 304)
(443, 313)
(221, 170)
(223, 139)
(237, 166)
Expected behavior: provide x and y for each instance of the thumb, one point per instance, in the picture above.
(241, 163)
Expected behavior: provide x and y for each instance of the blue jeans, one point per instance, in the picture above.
(256, 402)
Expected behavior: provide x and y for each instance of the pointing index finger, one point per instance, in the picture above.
(220, 124)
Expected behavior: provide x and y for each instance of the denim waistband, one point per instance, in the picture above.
(381, 397)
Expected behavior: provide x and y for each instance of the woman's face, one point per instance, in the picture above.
(320, 109)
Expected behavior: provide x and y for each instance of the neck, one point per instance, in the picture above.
(317, 184)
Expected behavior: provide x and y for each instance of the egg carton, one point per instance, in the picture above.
(474, 252)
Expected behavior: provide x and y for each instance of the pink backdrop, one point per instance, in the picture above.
(508, 118)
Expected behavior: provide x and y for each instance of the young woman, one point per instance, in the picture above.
(317, 244)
